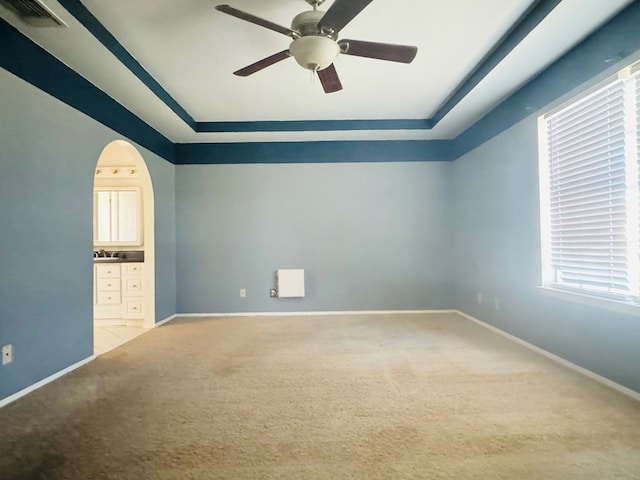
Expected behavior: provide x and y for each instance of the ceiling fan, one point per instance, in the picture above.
(315, 42)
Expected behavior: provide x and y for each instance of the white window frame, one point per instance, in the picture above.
(550, 286)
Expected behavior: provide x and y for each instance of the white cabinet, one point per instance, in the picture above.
(132, 291)
(107, 291)
(118, 294)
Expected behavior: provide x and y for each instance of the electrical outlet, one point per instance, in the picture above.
(7, 354)
(243, 292)
(496, 303)
(480, 299)
(273, 293)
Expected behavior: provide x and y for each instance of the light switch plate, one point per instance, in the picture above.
(7, 354)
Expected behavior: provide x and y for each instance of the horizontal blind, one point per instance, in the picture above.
(637, 80)
(637, 107)
(587, 178)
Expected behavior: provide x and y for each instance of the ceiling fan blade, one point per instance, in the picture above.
(329, 79)
(234, 12)
(264, 63)
(380, 51)
(341, 13)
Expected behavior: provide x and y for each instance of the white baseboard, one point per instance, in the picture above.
(12, 398)
(35, 386)
(55, 376)
(565, 363)
(594, 376)
(168, 319)
(309, 314)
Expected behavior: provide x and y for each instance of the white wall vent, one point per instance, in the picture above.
(34, 12)
(290, 283)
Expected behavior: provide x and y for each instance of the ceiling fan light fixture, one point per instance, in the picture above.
(315, 43)
(314, 52)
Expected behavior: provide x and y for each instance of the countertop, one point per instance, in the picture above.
(120, 256)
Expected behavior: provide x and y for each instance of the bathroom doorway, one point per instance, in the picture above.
(123, 247)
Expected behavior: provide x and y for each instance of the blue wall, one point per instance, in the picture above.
(496, 232)
(163, 176)
(495, 216)
(369, 235)
(48, 156)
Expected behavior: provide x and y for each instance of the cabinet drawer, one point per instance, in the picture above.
(108, 285)
(131, 268)
(133, 308)
(107, 298)
(132, 286)
(108, 271)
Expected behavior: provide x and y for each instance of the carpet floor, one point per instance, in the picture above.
(422, 396)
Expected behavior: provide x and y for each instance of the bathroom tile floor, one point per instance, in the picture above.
(109, 337)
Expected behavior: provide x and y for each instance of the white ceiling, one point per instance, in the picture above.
(191, 50)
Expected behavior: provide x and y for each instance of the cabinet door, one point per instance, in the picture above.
(108, 285)
(132, 308)
(108, 271)
(132, 269)
(132, 286)
(109, 298)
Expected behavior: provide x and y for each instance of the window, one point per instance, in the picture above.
(589, 182)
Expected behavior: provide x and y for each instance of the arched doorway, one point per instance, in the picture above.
(124, 270)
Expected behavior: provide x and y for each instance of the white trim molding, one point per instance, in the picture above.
(12, 398)
(312, 314)
(168, 319)
(565, 363)
(594, 376)
(628, 308)
(55, 376)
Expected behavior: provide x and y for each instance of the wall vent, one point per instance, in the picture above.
(33, 12)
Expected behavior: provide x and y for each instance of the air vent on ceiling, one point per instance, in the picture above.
(34, 13)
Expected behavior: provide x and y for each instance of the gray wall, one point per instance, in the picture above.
(496, 232)
(48, 156)
(369, 235)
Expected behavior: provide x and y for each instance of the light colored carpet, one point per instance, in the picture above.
(323, 397)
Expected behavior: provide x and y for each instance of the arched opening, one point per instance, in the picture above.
(123, 247)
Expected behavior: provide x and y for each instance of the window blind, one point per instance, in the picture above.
(637, 81)
(587, 193)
